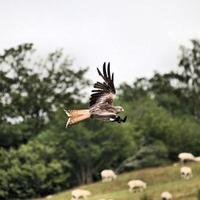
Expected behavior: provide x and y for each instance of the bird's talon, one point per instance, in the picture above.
(125, 118)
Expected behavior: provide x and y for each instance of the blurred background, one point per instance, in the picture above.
(49, 52)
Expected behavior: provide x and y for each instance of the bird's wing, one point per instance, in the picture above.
(103, 114)
(103, 92)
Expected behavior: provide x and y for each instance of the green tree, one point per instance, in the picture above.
(90, 146)
(31, 89)
(138, 89)
(32, 170)
(182, 84)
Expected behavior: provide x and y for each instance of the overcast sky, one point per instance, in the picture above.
(138, 37)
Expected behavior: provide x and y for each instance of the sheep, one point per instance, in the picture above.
(184, 157)
(80, 193)
(175, 164)
(186, 172)
(197, 159)
(135, 185)
(105, 199)
(166, 196)
(108, 175)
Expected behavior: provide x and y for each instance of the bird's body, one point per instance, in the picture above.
(101, 102)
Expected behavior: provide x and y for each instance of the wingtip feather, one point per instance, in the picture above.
(98, 71)
(104, 71)
(108, 70)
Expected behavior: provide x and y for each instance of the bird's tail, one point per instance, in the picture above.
(75, 116)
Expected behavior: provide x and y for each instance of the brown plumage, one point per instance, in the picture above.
(75, 116)
(101, 101)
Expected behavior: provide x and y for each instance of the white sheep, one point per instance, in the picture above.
(184, 157)
(186, 172)
(197, 159)
(175, 164)
(166, 196)
(108, 175)
(49, 196)
(80, 193)
(135, 185)
(105, 199)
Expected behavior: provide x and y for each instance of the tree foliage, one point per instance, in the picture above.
(32, 89)
(31, 170)
(182, 84)
(38, 156)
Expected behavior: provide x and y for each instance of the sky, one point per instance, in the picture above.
(138, 37)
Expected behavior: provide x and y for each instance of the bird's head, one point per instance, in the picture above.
(119, 109)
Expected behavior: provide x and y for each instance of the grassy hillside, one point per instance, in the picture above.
(158, 180)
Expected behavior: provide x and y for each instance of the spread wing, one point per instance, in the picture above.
(103, 92)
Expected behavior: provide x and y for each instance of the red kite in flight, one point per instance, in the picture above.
(101, 102)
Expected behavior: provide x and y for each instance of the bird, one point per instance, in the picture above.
(101, 102)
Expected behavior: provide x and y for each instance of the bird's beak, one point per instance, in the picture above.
(122, 110)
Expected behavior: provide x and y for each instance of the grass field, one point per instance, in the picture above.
(158, 180)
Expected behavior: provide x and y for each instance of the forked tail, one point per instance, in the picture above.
(75, 116)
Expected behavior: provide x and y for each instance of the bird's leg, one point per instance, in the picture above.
(119, 119)
(124, 120)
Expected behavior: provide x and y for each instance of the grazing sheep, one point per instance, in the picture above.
(80, 193)
(108, 175)
(175, 164)
(105, 199)
(135, 185)
(197, 159)
(49, 196)
(184, 157)
(166, 196)
(186, 172)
